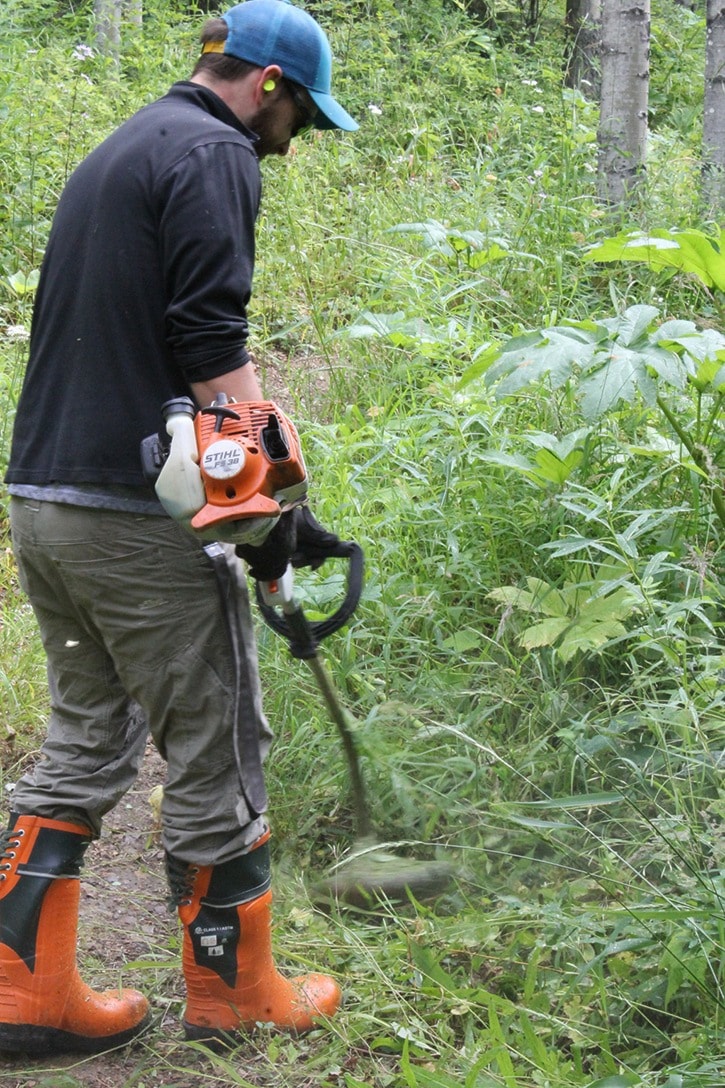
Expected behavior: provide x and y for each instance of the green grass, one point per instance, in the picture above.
(581, 794)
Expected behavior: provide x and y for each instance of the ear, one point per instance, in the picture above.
(267, 82)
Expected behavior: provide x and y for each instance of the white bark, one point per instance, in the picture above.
(713, 127)
(584, 24)
(133, 10)
(624, 98)
(108, 26)
(109, 16)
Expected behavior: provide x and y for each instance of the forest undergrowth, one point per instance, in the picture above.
(527, 442)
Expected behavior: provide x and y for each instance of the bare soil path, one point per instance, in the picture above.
(124, 926)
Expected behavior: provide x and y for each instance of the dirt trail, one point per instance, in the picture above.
(124, 922)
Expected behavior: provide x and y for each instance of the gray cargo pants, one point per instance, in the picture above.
(129, 612)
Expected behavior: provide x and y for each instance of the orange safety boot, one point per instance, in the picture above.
(231, 980)
(45, 1008)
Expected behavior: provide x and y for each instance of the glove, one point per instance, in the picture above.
(314, 544)
(268, 561)
(297, 538)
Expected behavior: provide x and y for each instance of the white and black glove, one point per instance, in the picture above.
(297, 538)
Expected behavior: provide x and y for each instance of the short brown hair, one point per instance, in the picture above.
(220, 65)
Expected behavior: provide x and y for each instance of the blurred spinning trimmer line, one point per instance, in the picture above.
(370, 874)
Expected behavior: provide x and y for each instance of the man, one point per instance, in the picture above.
(143, 298)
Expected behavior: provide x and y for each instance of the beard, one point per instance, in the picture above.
(271, 130)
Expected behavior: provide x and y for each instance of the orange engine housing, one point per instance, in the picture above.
(250, 461)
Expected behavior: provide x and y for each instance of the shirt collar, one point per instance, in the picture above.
(212, 103)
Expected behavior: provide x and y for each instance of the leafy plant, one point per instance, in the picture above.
(686, 250)
(568, 753)
(577, 618)
(554, 461)
(615, 362)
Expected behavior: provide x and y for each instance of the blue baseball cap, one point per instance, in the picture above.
(265, 32)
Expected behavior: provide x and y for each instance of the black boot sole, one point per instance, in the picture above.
(41, 1041)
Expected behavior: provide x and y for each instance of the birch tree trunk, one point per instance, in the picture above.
(134, 12)
(109, 15)
(622, 132)
(108, 26)
(584, 30)
(713, 126)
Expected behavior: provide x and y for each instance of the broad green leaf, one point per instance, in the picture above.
(708, 373)
(512, 595)
(550, 355)
(516, 461)
(629, 327)
(668, 366)
(530, 600)
(676, 328)
(463, 641)
(699, 343)
(553, 468)
(615, 376)
(701, 257)
(369, 324)
(612, 606)
(468, 239)
(483, 361)
(688, 251)
(549, 469)
(563, 446)
(618, 360)
(545, 633)
(479, 258)
(434, 234)
(396, 327)
(548, 600)
(24, 283)
(588, 635)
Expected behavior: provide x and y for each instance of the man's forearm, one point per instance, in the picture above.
(240, 384)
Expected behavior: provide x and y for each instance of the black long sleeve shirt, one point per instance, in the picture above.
(143, 289)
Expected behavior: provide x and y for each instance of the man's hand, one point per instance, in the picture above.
(297, 538)
(314, 544)
(268, 561)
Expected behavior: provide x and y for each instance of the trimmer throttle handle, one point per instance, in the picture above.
(304, 636)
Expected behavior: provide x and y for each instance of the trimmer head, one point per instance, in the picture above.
(370, 876)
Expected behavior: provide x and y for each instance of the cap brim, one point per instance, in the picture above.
(331, 114)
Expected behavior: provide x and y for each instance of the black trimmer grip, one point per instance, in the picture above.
(304, 636)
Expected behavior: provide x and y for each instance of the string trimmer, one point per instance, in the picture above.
(369, 873)
(228, 472)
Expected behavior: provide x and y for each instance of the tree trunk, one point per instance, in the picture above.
(583, 22)
(108, 26)
(713, 127)
(133, 10)
(109, 16)
(624, 97)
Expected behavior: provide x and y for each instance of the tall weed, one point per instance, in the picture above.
(576, 779)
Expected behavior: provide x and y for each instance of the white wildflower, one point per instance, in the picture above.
(17, 332)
